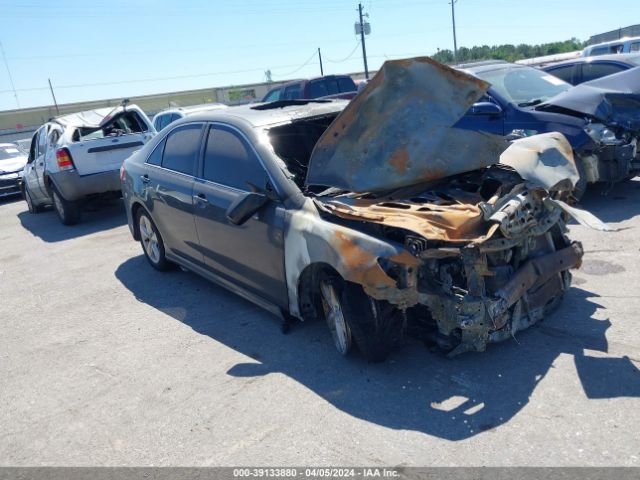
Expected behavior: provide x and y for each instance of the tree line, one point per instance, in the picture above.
(509, 52)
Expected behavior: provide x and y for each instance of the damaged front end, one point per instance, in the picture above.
(459, 236)
(489, 255)
(611, 105)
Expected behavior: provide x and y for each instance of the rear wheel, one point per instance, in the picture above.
(151, 241)
(68, 212)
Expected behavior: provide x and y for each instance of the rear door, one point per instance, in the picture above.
(169, 178)
(252, 254)
(103, 149)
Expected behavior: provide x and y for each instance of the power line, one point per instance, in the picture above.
(345, 58)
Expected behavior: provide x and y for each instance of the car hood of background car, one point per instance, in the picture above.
(398, 131)
(613, 100)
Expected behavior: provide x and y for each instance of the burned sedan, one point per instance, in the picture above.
(376, 216)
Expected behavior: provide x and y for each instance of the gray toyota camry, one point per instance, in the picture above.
(377, 216)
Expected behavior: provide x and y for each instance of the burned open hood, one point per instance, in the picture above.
(399, 131)
(613, 100)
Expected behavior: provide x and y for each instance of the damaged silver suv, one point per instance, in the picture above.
(377, 216)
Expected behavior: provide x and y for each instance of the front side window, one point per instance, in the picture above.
(634, 47)
(591, 71)
(42, 142)
(229, 161)
(524, 86)
(162, 121)
(272, 96)
(565, 73)
(181, 149)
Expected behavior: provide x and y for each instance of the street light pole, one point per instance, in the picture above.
(364, 48)
(455, 43)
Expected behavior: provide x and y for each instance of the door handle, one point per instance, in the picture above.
(201, 197)
(145, 178)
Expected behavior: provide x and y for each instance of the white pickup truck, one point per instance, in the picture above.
(77, 157)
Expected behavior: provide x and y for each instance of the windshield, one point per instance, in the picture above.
(524, 86)
(9, 152)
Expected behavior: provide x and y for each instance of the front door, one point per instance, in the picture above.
(34, 170)
(251, 254)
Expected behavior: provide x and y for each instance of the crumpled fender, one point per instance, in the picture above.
(310, 239)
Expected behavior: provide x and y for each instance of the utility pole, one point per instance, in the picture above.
(54, 97)
(455, 43)
(364, 48)
(6, 64)
(320, 58)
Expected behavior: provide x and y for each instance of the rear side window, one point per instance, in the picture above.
(156, 156)
(635, 47)
(591, 71)
(229, 161)
(42, 142)
(346, 84)
(600, 51)
(332, 86)
(181, 149)
(292, 92)
(566, 73)
(317, 88)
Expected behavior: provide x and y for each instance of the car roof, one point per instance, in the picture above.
(293, 82)
(615, 57)
(263, 114)
(192, 108)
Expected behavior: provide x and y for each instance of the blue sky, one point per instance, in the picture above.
(119, 48)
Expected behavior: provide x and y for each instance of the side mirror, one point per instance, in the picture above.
(485, 108)
(245, 206)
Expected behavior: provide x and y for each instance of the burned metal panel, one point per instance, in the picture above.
(614, 99)
(544, 160)
(399, 131)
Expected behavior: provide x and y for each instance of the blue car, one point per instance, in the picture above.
(524, 101)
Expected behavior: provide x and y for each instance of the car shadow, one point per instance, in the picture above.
(607, 202)
(415, 389)
(96, 217)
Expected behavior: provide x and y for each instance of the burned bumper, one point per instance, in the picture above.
(469, 321)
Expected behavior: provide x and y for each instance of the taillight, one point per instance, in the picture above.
(123, 172)
(64, 159)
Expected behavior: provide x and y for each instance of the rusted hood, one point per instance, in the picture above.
(399, 131)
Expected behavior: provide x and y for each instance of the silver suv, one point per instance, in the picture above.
(78, 156)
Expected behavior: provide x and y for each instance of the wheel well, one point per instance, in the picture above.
(134, 213)
(308, 288)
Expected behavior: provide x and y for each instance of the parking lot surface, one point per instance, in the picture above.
(105, 361)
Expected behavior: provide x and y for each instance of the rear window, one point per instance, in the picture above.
(123, 124)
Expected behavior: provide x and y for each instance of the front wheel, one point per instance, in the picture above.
(68, 212)
(151, 241)
(355, 317)
(33, 207)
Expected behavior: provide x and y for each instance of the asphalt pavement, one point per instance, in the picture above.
(104, 361)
